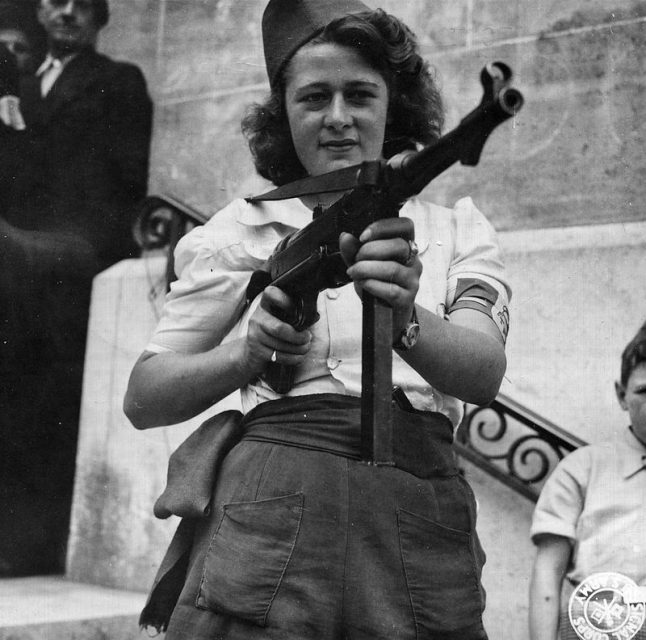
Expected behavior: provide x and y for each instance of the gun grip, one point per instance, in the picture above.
(280, 377)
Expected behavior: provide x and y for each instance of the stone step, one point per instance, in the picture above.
(54, 608)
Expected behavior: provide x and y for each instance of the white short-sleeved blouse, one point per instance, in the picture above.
(214, 263)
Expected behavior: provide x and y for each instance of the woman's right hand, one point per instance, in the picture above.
(169, 387)
(268, 334)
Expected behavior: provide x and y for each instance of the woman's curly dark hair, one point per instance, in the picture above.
(387, 45)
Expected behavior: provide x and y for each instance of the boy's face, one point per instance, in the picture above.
(632, 398)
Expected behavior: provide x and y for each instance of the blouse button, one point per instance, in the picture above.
(333, 363)
(332, 294)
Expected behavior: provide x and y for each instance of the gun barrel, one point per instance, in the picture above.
(510, 100)
(408, 173)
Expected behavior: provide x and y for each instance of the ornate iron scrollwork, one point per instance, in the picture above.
(161, 222)
(515, 445)
(152, 228)
(158, 216)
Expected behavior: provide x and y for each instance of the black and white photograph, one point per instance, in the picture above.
(322, 320)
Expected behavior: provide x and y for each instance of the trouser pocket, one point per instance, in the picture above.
(443, 579)
(248, 556)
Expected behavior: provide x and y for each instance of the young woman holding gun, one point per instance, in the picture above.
(302, 539)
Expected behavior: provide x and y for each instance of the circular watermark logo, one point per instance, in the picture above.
(607, 606)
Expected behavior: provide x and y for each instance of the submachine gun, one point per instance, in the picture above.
(309, 261)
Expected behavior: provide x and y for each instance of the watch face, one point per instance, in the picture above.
(410, 335)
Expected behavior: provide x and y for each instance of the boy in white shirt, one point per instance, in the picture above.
(591, 517)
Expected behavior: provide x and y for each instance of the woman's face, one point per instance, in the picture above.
(337, 107)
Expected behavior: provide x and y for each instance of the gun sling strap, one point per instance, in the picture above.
(340, 180)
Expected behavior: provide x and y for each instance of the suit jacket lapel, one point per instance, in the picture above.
(76, 76)
(31, 102)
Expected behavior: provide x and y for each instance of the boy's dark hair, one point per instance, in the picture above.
(386, 44)
(634, 354)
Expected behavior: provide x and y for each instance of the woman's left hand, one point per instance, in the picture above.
(383, 261)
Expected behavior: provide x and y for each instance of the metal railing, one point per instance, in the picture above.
(513, 444)
(161, 222)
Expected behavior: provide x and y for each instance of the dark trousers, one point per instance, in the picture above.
(305, 541)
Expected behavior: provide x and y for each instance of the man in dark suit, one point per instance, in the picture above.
(89, 119)
(82, 170)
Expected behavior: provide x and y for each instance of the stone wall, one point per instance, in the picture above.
(580, 296)
(571, 157)
(114, 539)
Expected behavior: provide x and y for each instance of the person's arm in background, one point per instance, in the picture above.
(550, 564)
(10, 115)
(130, 113)
(11, 125)
(124, 133)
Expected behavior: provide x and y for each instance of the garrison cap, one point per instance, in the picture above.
(288, 24)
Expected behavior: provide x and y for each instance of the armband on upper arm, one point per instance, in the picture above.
(479, 295)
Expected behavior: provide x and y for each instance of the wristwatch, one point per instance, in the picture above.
(410, 334)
